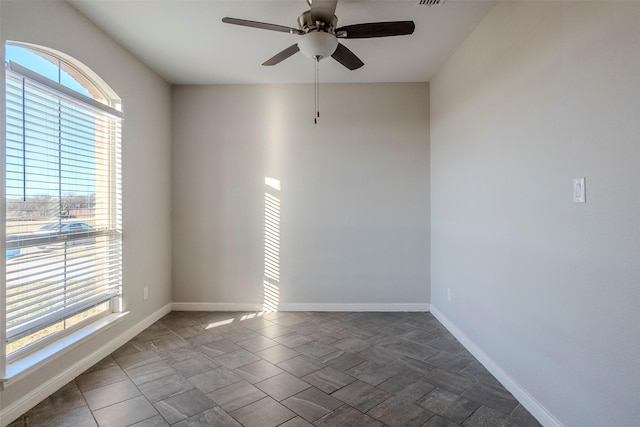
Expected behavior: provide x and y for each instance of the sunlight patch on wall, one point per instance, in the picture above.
(271, 278)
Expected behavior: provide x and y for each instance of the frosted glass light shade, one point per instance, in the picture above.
(318, 43)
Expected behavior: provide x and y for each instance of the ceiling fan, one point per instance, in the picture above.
(318, 36)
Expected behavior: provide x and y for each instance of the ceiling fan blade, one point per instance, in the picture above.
(261, 25)
(323, 10)
(347, 58)
(279, 57)
(376, 29)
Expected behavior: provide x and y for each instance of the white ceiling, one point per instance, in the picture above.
(186, 42)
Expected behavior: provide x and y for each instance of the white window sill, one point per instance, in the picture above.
(24, 366)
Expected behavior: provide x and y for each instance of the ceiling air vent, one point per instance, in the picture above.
(430, 2)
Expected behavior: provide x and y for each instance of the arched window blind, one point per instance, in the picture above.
(63, 209)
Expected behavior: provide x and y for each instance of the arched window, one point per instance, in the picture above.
(63, 198)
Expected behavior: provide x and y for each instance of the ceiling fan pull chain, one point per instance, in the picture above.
(316, 85)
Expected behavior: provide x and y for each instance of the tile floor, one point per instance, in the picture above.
(285, 369)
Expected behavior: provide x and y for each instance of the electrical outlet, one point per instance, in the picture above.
(145, 293)
(449, 294)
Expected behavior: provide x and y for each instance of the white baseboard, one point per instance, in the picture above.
(395, 307)
(215, 306)
(527, 400)
(31, 399)
(196, 306)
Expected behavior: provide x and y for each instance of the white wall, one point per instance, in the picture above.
(541, 93)
(354, 195)
(146, 170)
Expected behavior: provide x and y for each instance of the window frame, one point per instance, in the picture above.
(26, 359)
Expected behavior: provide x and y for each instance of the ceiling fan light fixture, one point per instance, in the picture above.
(318, 44)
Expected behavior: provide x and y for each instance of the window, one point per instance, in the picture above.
(63, 199)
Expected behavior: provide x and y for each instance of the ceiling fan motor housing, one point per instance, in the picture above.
(306, 23)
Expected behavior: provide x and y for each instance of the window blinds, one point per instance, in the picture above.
(63, 204)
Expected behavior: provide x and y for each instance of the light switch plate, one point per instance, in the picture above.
(579, 190)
